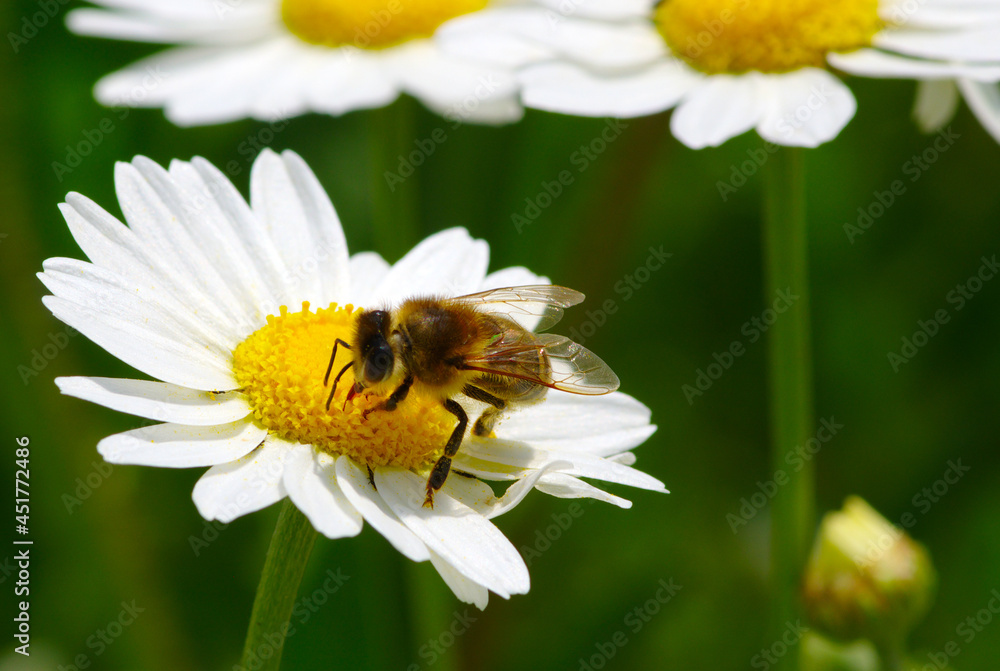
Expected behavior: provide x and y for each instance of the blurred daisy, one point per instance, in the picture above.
(274, 59)
(184, 293)
(730, 66)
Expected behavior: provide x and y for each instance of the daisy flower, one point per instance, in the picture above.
(730, 66)
(275, 59)
(196, 292)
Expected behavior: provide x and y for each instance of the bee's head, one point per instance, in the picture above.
(374, 360)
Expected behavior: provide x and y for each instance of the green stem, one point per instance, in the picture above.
(891, 657)
(396, 162)
(790, 388)
(286, 560)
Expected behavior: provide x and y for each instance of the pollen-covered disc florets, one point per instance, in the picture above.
(370, 24)
(736, 36)
(280, 369)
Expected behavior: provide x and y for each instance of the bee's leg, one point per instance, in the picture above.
(484, 425)
(443, 465)
(395, 398)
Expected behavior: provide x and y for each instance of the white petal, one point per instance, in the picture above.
(157, 400)
(180, 446)
(599, 425)
(351, 79)
(227, 226)
(479, 496)
(368, 271)
(569, 89)
(874, 63)
(154, 209)
(462, 537)
(251, 483)
(467, 591)
(225, 87)
(311, 483)
(597, 44)
(359, 491)
(449, 263)
(454, 87)
(145, 349)
(565, 486)
(615, 10)
(936, 103)
(86, 284)
(113, 246)
(524, 455)
(515, 276)
(960, 45)
(804, 108)
(302, 224)
(186, 27)
(984, 99)
(723, 107)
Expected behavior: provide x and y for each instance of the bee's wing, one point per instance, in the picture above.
(574, 368)
(533, 307)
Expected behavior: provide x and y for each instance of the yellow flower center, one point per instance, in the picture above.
(281, 367)
(370, 24)
(734, 36)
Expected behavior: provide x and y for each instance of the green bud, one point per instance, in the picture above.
(866, 578)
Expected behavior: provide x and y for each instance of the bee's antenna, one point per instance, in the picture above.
(326, 378)
(336, 380)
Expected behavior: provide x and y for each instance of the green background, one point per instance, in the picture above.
(130, 538)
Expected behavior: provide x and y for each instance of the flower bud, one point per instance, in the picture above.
(865, 577)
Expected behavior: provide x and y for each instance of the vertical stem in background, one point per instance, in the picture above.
(432, 611)
(286, 560)
(790, 383)
(394, 194)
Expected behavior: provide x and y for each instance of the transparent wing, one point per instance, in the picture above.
(533, 307)
(574, 368)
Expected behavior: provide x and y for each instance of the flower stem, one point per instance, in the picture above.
(790, 384)
(284, 565)
(394, 192)
(891, 656)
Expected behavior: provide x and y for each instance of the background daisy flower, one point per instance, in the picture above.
(730, 66)
(183, 293)
(274, 59)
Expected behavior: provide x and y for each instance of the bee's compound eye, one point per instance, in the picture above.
(379, 364)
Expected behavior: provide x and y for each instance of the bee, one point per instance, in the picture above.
(482, 346)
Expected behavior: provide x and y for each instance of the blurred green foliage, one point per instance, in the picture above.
(130, 538)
